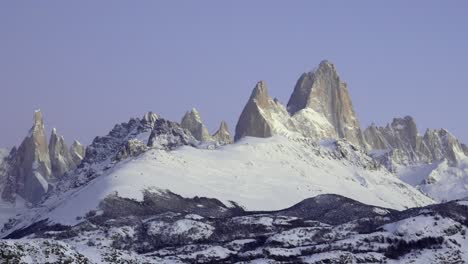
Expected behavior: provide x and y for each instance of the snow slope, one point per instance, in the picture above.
(439, 181)
(259, 174)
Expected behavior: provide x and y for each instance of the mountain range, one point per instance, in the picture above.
(300, 182)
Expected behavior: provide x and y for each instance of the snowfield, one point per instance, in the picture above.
(439, 181)
(258, 174)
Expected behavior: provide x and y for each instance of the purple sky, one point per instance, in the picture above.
(91, 64)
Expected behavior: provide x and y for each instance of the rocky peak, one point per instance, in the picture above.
(105, 147)
(324, 92)
(169, 135)
(222, 135)
(61, 161)
(374, 137)
(192, 121)
(405, 131)
(149, 119)
(77, 152)
(406, 146)
(252, 121)
(443, 145)
(31, 167)
(260, 94)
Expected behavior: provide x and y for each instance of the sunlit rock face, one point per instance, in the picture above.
(192, 121)
(31, 170)
(223, 136)
(77, 152)
(319, 108)
(60, 158)
(323, 91)
(252, 121)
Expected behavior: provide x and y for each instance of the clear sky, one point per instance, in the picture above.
(90, 64)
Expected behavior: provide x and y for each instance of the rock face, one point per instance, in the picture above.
(28, 169)
(77, 152)
(323, 91)
(106, 147)
(192, 122)
(169, 135)
(31, 168)
(132, 148)
(60, 158)
(252, 121)
(319, 108)
(223, 136)
(400, 143)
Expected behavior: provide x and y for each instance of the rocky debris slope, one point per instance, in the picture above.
(167, 228)
(319, 108)
(34, 165)
(192, 122)
(222, 136)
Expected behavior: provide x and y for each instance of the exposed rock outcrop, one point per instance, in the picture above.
(77, 152)
(192, 122)
(443, 145)
(223, 136)
(60, 158)
(149, 119)
(253, 120)
(324, 92)
(106, 147)
(29, 169)
(31, 166)
(169, 135)
(132, 148)
(400, 143)
(319, 108)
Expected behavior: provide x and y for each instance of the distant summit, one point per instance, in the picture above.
(32, 166)
(320, 107)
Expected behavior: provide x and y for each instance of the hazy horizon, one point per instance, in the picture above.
(91, 65)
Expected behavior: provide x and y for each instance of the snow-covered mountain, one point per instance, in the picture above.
(30, 170)
(162, 190)
(435, 163)
(168, 228)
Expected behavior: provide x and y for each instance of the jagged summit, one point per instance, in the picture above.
(150, 118)
(60, 158)
(252, 121)
(192, 121)
(406, 146)
(320, 108)
(29, 167)
(323, 91)
(77, 152)
(35, 164)
(222, 135)
(260, 94)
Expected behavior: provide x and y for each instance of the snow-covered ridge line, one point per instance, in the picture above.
(251, 173)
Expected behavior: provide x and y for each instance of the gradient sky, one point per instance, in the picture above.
(90, 64)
